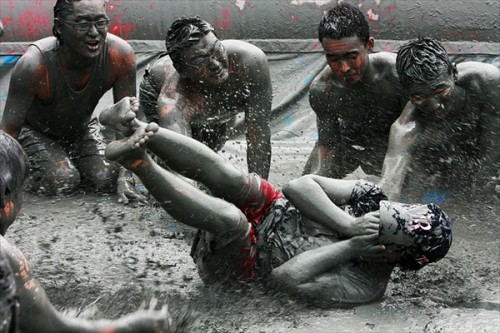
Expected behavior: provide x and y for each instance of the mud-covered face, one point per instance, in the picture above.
(84, 31)
(347, 58)
(431, 98)
(206, 61)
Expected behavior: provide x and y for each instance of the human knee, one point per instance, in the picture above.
(62, 178)
(103, 178)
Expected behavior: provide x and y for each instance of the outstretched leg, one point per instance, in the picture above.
(183, 154)
(181, 200)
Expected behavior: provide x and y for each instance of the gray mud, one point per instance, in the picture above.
(99, 259)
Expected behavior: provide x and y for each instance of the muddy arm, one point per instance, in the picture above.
(38, 315)
(259, 137)
(404, 132)
(318, 198)
(490, 135)
(300, 274)
(29, 73)
(323, 158)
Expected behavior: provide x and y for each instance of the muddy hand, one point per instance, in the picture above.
(126, 189)
(369, 248)
(364, 225)
(143, 321)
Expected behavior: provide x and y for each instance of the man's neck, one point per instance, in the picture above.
(73, 61)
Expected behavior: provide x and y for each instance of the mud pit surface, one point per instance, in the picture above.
(97, 258)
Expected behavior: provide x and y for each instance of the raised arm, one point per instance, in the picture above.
(319, 198)
(257, 117)
(174, 111)
(28, 81)
(490, 129)
(404, 131)
(38, 315)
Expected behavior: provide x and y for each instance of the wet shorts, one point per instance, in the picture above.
(45, 153)
(214, 258)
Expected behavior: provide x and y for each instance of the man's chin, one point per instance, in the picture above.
(220, 77)
(349, 80)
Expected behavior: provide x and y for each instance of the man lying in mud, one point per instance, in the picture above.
(23, 302)
(203, 83)
(54, 89)
(449, 132)
(356, 98)
(333, 242)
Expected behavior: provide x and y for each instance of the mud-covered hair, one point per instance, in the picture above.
(344, 21)
(421, 60)
(14, 167)
(184, 32)
(429, 244)
(63, 8)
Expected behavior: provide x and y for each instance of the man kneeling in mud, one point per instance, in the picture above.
(327, 240)
(23, 302)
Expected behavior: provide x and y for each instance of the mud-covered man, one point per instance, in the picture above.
(449, 132)
(356, 97)
(53, 91)
(329, 241)
(203, 83)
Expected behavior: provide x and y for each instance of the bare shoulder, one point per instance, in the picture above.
(473, 75)
(162, 70)
(384, 65)
(244, 50)
(322, 81)
(383, 59)
(246, 53)
(31, 60)
(119, 46)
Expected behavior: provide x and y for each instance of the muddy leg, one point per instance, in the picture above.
(184, 155)
(181, 200)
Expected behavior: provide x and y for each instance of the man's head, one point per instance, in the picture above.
(195, 50)
(425, 71)
(420, 233)
(14, 171)
(345, 36)
(82, 25)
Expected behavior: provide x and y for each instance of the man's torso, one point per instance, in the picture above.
(364, 115)
(66, 112)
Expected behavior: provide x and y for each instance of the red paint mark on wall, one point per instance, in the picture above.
(7, 20)
(124, 30)
(32, 20)
(225, 19)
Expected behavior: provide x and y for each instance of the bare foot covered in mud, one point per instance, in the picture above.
(129, 150)
(121, 117)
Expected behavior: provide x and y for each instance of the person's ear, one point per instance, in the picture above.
(58, 27)
(370, 44)
(455, 71)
